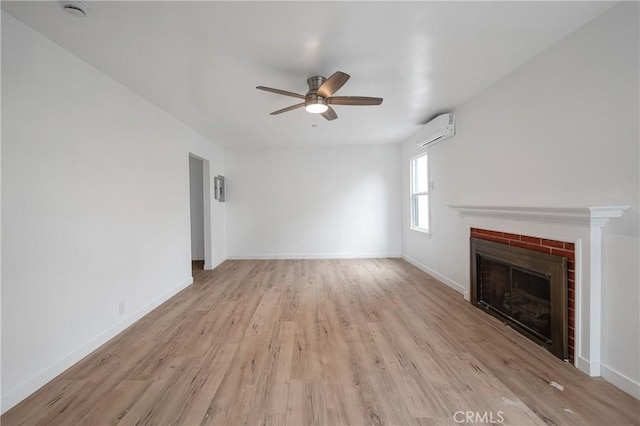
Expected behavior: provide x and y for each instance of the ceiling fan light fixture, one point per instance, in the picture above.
(316, 104)
(316, 108)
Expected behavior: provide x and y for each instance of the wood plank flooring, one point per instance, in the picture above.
(321, 342)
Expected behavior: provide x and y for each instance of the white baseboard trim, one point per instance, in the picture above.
(14, 396)
(437, 275)
(621, 381)
(208, 267)
(313, 256)
(590, 368)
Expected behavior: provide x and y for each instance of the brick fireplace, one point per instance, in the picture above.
(574, 232)
(547, 246)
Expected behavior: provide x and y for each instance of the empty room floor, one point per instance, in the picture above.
(327, 342)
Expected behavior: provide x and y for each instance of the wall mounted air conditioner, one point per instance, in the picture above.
(440, 128)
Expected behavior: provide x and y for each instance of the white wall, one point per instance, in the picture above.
(562, 130)
(197, 208)
(313, 202)
(95, 208)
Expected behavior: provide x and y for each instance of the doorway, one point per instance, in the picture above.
(200, 212)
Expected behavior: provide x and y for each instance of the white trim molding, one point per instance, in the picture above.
(217, 262)
(587, 216)
(293, 256)
(620, 380)
(583, 227)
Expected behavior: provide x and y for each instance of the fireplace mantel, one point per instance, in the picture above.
(584, 216)
(579, 225)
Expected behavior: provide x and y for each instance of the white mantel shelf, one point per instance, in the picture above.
(585, 216)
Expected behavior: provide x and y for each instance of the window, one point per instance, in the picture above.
(420, 193)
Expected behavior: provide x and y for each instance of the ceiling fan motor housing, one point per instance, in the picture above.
(312, 102)
(314, 83)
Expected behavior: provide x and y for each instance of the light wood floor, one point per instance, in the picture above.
(327, 342)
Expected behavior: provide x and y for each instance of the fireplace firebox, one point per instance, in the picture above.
(525, 288)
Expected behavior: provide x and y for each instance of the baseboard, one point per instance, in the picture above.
(621, 381)
(437, 275)
(590, 368)
(19, 393)
(313, 256)
(209, 267)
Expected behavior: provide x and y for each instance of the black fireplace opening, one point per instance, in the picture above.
(525, 288)
(524, 296)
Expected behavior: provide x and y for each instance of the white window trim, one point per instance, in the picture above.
(423, 231)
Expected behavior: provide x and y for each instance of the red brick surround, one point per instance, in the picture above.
(559, 248)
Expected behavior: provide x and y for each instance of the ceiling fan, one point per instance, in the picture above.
(320, 97)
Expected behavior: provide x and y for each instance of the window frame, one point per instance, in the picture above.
(413, 196)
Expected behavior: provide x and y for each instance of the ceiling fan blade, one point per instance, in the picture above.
(280, 92)
(330, 114)
(289, 108)
(332, 84)
(354, 100)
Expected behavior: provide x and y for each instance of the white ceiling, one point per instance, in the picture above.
(201, 61)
